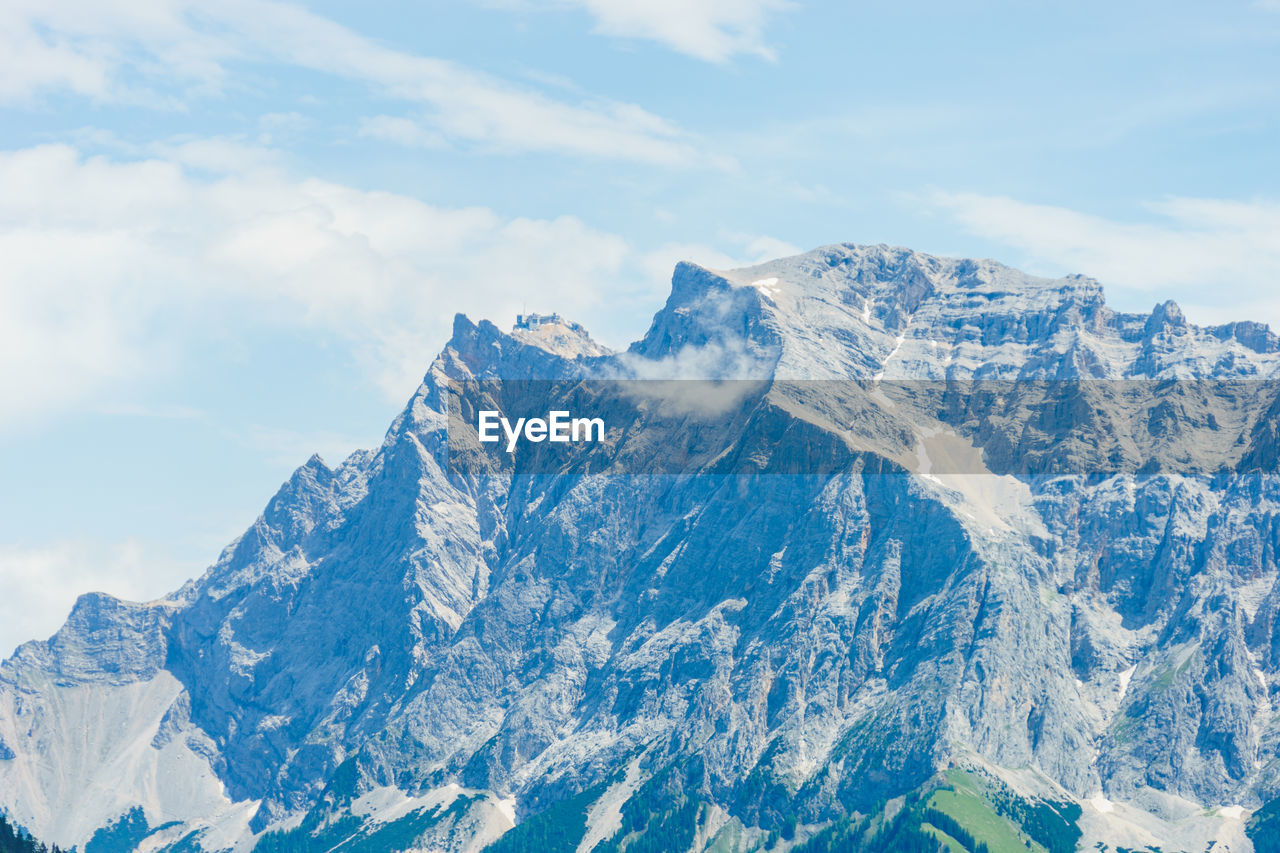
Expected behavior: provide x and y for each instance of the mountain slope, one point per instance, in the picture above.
(1041, 548)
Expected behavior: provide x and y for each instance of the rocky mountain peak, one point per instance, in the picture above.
(849, 310)
(544, 348)
(557, 335)
(1006, 592)
(1166, 318)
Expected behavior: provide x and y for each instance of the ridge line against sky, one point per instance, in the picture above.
(234, 235)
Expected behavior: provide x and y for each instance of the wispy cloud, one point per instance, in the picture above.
(1226, 252)
(120, 269)
(402, 131)
(115, 269)
(167, 52)
(711, 30)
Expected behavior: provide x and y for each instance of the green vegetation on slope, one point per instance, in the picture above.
(948, 830)
(964, 813)
(347, 834)
(662, 814)
(557, 829)
(1005, 820)
(1054, 825)
(14, 840)
(967, 815)
(970, 814)
(905, 832)
(1264, 828)
(123, 835)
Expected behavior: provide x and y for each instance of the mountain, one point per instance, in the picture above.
(879, 551)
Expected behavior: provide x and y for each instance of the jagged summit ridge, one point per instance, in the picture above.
(857, 311)
(850, 311)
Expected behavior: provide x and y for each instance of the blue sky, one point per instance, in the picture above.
(233, 236)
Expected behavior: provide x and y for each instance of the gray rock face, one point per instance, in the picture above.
(1090, 600)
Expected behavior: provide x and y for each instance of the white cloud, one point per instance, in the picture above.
(87, 48)
(120, 269)
(38, 586)
(117, 269)
(712, 30)
(165, 51)
(401, 131)
(1196, 246)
